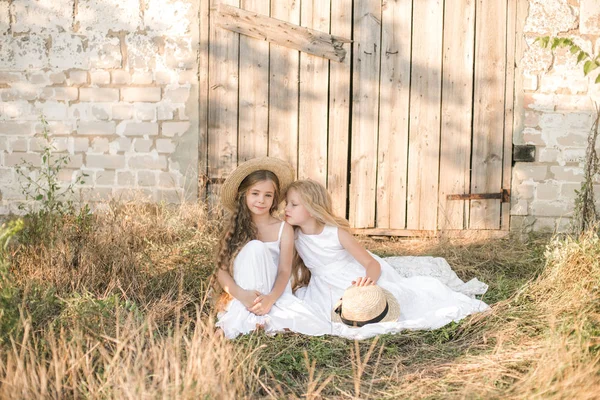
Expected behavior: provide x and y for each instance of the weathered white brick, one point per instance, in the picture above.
(100, 77)
(545, 224)
(20, 110)
(10, 77)
(178, 95)
(96, 128)
(550, 17)
(4, 18)
(81, 144)
(146, 94)
(542, 208)
(58, 78)
(573, 155)
(14, 159)
(53, 111)
(17, 144)
(524, 171)
(96, 194)
(100, 145)
(99, 94)
(179, 53)
(165, 111)
(125, 178)
(74, 161)
(141, 51)
(38, 15)
(120, 144)
(77, 78)
(567, 174)
(120, 77)
(164, 77)
(105, 178)
(142, 145)
(38, 78)
(530, 82)
(103, 15)
(129, 128)
(141, 78)
(165, 146)
(188, 77)
(23, 52)
(56, 127)
(533, 136)
(19, 92)
(146, 178)
(567, 190)
(122, 111)
(170, 129)
(548, 154)
(16, 128)
(101, 111)
(3, 143)
(59, 93)
(520, 207)
(170, 18)
(547, 191)
(138, 195)
(105, 161)
(589, 17)
(148, 161)
(67, 51)
(144, 111)
(104, 52)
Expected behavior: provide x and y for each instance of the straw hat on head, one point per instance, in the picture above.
(362, 305)
(283, 171)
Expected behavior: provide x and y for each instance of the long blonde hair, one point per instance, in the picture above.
(317, 202)
(240, 229)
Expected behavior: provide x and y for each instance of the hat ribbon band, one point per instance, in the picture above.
(350, 322)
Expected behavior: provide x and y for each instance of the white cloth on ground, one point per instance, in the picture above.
(426, 302)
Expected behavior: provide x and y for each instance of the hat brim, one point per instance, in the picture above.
(284, 172)
(392, 315)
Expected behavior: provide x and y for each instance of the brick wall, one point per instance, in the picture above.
(555, 111)
(117, 82)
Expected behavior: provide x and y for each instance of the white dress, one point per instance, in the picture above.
(255, 268)
(425, 302)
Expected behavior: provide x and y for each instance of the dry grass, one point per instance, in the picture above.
(116, 305)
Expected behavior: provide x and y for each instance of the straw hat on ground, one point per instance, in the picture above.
(283, 171)
(362, 305)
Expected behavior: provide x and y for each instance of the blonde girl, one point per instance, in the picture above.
(254, 256)
(332, 261)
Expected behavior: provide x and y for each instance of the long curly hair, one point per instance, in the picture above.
(239, 229)
(317, 202)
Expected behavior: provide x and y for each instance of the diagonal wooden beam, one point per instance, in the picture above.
(281, 32)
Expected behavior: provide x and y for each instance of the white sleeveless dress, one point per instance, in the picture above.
(425, 302)
(255, 268)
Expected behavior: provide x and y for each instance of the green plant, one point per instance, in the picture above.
(9, 293)
(591, 61)
(45, 187)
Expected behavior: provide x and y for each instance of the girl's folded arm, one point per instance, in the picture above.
(246, 297)
(360, 254)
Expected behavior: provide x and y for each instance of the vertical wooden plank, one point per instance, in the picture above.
(314, 78)
(488, 120)
(511, 39)
(254, 90)
(339, 111)
(393, 115)
(283, 89)
(457, 103)
(365, 111)
(222, 101)
(203, 99)
(425, 98)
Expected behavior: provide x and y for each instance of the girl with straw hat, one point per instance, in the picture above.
(254, 257)
(333, 265)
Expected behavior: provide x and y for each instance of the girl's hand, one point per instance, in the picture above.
(247, 297)
(363, 281)
(262, 304)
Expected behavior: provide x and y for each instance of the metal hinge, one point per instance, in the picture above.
(504, 195)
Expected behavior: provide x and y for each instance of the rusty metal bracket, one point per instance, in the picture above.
(504, 196)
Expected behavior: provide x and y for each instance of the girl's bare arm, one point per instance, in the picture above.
(360, 254)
